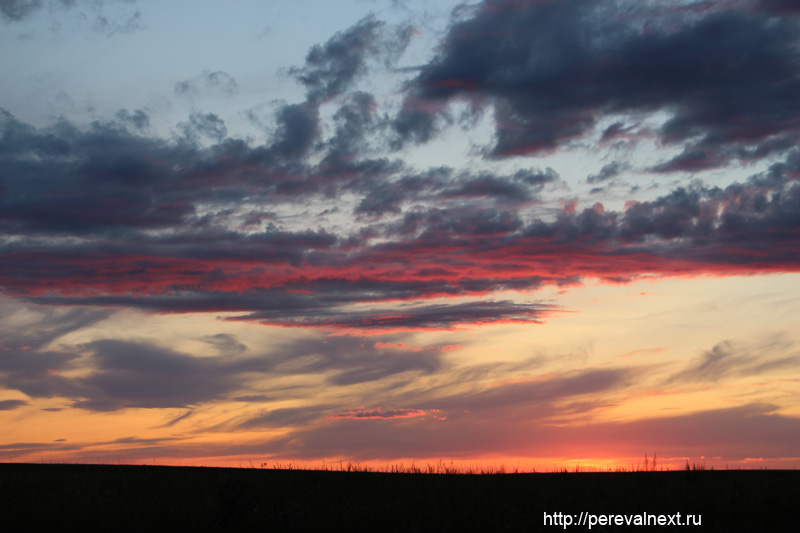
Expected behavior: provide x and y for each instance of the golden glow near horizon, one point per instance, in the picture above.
(617, 366)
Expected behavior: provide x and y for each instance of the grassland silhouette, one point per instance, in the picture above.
(432, 497)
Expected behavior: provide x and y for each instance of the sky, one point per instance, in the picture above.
(535, 234)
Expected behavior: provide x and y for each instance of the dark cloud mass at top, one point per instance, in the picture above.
(551, 70)
(107, 214)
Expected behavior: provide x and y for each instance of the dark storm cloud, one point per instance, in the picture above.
(552, 69)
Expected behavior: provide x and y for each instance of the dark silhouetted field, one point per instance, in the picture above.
(155, 498)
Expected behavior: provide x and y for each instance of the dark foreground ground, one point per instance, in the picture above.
(155, 498)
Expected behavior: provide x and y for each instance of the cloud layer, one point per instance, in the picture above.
(108, 215)
(586, 141)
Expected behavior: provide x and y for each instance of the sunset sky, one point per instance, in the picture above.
(532, 233)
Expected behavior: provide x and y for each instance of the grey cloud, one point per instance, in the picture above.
(731, 360)
(518, 187)
(298, 129)
(138, 374)
(284, 417)
(102, 20)
(608, 171)
(355, 121)
(225, 343)
(253, 398)
(138, 119)
(204, 124)
(541, 392)
(25, 362)
(215, 82)
(351, 360)
(35, 326)
(120, 374)
(418, 125)
(110, 210)
(82, 181)
(380, 201)
(706, 229)
(180, 418)
(9, 405)
(432, 317)
(16, 10)
(330, 69)
(126, 23)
